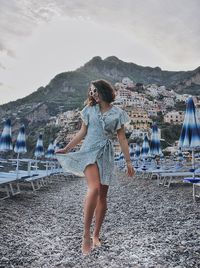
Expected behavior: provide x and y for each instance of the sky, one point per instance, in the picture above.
(39, 39)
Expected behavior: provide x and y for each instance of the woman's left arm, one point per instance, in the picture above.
(125, 149)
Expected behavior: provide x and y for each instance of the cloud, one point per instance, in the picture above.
(19, 18)
(9, 52)
(173, 29)
(2, 66)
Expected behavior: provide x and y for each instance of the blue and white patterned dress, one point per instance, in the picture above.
(97, 145)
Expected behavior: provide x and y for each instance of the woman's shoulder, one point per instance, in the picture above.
(86, 107)
(117, 109)
(121, 113)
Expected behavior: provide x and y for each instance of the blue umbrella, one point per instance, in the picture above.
(145, 152)
(20, 145)
(190, 133)
(137, 154)
(145, 148)
(39, 149)
(6, 137)
(155, 148)
(131, 152)
(50, 151)
(137, 151)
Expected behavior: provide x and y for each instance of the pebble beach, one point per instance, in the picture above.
(146, 226)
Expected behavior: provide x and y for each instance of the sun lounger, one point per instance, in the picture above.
(195, 183)
(195, 186)
(36, 181)
(7, 185)
(9, 179)
(37, 177)
(166, 177)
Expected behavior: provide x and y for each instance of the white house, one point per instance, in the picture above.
(174, 117)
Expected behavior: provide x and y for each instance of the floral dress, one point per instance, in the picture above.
(98, 143)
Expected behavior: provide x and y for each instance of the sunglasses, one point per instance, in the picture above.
(93, 91)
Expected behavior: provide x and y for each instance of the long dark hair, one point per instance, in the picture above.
(104, 89)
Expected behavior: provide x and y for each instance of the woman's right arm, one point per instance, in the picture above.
(76, 140)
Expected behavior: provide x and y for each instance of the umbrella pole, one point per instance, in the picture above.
(17, 168)
(36, 164)
(193, 163)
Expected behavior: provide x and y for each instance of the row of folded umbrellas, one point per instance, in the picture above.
(147, 150)
(6, 143)
(189, 138)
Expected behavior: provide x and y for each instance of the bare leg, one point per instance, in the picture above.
(100, 212)
(93, 182)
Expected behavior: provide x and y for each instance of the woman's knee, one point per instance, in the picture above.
(93, 190)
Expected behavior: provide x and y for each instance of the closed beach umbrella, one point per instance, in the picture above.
(145, 148)
(39, 149)
(190, 133)
(137, 151)
(131, 152)
(155, 148)
(145, 152)
(50, 151)
(6, 137)
(20, 145)
(137, 154)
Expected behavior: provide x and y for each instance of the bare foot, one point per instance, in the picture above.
(86, 246)
(96, 242)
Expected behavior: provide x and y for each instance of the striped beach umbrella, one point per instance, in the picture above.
(50, 150)
(6, 137)
(20, 145)
(190, 133)
(145, 152)
(145, 148)
(155, 148)
(137, 151)
(131, 152)
(137, 154)
(39, 149)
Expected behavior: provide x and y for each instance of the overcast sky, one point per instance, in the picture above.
(41, 38)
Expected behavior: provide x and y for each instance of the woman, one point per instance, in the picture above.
(95, 159)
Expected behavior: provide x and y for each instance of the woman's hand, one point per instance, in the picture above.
(61, 151)
(130, 170)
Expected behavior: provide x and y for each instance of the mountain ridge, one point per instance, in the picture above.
(69, 89)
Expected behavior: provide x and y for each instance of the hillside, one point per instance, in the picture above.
(67, 90)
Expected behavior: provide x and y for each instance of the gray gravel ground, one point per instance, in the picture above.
(146, 226)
